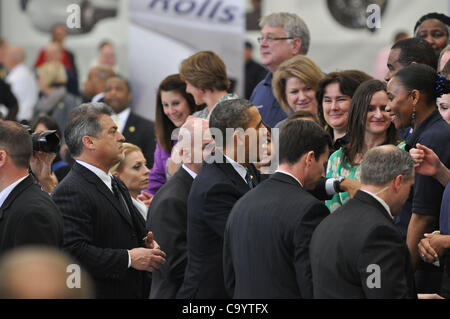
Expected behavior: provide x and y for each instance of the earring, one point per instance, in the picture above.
(413, 117)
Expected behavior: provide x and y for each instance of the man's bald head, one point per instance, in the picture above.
(96, 80)
(14, 56)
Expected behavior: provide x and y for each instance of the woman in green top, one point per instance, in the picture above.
(369, 125)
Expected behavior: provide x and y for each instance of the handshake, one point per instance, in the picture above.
(149, 258)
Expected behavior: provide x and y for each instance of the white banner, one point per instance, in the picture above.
(165, 32)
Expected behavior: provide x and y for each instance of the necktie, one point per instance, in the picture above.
(119, 195)
(249, 179)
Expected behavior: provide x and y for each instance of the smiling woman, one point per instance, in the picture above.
(173, 106)
(369, 126)
(295, 84)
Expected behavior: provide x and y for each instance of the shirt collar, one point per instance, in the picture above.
(286, 173)
(268, 79)
(191, 172)
(5, 193)
(123, 117)
(106, 178)
(241, 170)
(382, 202)
(412, 139)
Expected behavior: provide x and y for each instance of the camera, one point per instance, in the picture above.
(47, 141)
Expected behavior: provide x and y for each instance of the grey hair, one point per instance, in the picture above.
(83, 121)
(382, 164)
(292, 24)
(230, 114)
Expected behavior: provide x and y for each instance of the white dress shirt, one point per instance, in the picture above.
(122, 118)
(24, 86)
(5, 193)
(190, 172)
(382, 202)
(286, 173)
(241, 170)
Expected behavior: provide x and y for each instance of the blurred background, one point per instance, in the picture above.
(152, 37)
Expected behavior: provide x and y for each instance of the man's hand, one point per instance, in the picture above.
(147, 259)
(433, 246)
(350, 186)
(429, 296)
(146, 198)
(150, 242)
(41, 165)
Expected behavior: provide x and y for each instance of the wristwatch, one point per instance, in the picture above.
(337, 184)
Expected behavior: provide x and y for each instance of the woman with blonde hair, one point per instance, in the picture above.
(295, 84)
(133, 171)
(55, 101)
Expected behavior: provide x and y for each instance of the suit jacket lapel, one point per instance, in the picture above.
(27, 182)
(233, 175)
(102, 188)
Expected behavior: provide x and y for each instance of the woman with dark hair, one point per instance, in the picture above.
(369, 126)
(412, 93)
(45, 123)
(433, 28)
(334, 95)
(173, 106)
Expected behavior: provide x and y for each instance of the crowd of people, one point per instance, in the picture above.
(318, 186)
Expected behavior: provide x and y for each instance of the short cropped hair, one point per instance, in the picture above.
(230, 114)
(82, 121)
(300, 67)
(292, 24)
(16, 141)
(416, 50)
(382, 164)
(205, 70)
(298, 137)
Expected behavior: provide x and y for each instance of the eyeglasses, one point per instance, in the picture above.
(270, 39)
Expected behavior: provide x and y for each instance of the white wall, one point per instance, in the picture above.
(332, 46)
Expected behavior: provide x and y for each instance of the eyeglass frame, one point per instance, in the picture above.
(270, 39)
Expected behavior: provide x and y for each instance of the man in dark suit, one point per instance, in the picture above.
(136, 129)
(102, 228)
(266, 245)
(223, 179)
(357, 252)
(28, 216)
(167, 217)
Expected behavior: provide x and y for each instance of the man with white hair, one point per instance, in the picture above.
(283, 35)
(167, 217)
(22, 81)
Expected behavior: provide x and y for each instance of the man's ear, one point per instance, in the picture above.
(88, 142)
(397, 182)
(309, 158)
(3, 158)
(296, 46)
